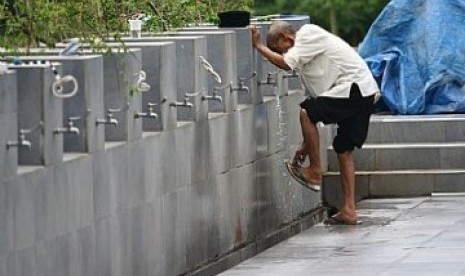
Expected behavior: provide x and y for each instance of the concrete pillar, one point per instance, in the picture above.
(221, 55)
(159, 64)
(246, 63)
(8, 125)
(191, 79)
(87, 104)
(41, 112)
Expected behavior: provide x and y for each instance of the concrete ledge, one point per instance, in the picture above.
(240, 254)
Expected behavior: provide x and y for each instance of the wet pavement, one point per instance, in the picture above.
(406, 236)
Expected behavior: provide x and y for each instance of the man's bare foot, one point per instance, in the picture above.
(342, 219)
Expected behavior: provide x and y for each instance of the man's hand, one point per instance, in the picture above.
(256, 39)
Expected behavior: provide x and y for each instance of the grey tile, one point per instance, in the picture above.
(200, 146)
(243, 136)
(8, 92)
(134, 190)
(197, 226)
(407, 158)
(8, 155)
(174, 231)
(449, 183)
(7, 218)
(452, 158)
(86, 254)
(153, 238)
(401, 185)
(153, 163)
(23, 262)
(220, 143)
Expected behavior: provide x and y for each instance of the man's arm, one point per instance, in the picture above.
(273, 57)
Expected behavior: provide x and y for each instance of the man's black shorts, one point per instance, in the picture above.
(352, 116)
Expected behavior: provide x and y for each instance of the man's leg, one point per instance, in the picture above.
(311, 147)
(347, 170)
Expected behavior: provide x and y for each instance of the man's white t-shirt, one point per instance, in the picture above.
(328, 65)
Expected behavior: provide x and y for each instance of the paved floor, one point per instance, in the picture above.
(418, 236)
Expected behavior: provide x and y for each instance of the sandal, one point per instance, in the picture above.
(296, 173)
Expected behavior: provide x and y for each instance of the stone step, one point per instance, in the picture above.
(415, 128)
(395, 183)
(405, 156)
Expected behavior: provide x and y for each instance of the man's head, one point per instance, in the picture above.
(281, 37)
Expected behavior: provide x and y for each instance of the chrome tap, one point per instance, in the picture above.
(22, 142)
(213, 97)
(294, 74)
(150, 112)
(109, 118)
(185, 102)
(241, 84)
(69, 128)
(270, 80)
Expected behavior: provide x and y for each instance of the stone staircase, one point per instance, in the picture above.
(405, 156)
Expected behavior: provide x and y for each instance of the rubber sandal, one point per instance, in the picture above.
(296, 173)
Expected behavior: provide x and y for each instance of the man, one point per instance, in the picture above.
(342, 91)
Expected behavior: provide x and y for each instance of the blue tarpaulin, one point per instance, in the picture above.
(416, 51)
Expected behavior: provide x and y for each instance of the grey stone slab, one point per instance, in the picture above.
(134, 191)
(265, 203)
(110, 173)
(449, 183)
(246, 225)
(197, 225)
(169, 163)
(104, 193)
(118, 159)
(152, 166)
(293, 114)
(220, 142)
(23, 262)
(81, 190)
(243, 136)
(104, 250)
(401, 185)
(184, 138)
(455, 131)
(200, 152)
(262, 129)
(7, 218)
(175, 231)
(8, 155)
(153, 238)
(45, 206)
(277, 124)
(86, 254)
(280, 190)
(54, 257)
(228, 204)
(406, 131)
(132, 258)
(407, 158)
(8, 92)
(213, 218)
(452, 157)
(23, 194)
(8, 125)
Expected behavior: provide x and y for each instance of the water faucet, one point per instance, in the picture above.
(185, 102)
(109, 118)
(241, 84)
(22, 142)
(69, 128)
(294, 74)
(213, 97)
(150, 112)
(270, 80)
